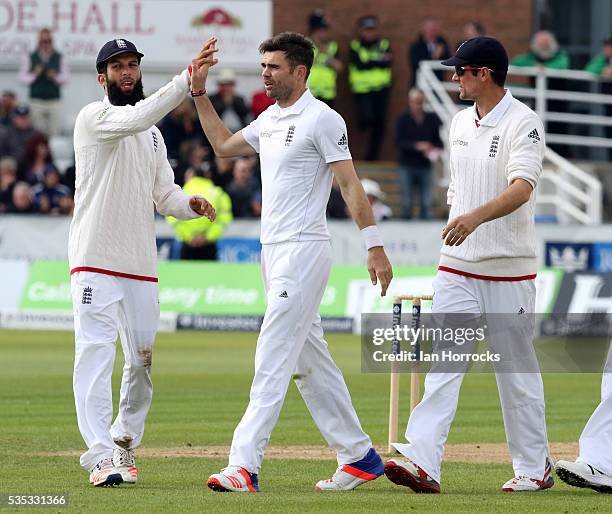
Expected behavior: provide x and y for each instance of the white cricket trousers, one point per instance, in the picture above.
(291, 343)
(521, 394)
(105, 306)
(596, 438)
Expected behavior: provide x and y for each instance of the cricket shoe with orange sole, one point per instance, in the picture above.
(125, 462)
(408, 474)
(234, 479)
(523, 484)
(352, 475)
(104, 474)
(581, 474)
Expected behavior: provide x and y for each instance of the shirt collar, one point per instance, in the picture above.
(494, 117)
(297, 107)
(105, 100)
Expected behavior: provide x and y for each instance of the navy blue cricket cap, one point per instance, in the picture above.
(115, 47)
(480, 51)
(369, 21)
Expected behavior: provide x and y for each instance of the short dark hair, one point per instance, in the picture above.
(499, 77)
(297, 47)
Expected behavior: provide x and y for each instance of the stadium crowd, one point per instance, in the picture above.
(31, 181)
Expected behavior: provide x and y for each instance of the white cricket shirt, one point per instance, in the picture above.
(122, 174)
(296, 145)
(485, 157)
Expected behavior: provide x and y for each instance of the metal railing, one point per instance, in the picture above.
(567, 193)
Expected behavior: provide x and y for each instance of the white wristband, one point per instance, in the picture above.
(371, 236)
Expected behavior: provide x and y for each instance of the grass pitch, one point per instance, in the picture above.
(201, 389)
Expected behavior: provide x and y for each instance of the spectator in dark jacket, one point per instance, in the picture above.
(8, 179)
(336, 207)
(244, 190)
(180, 127)
(430, 45)
(230, 107)
(21, 203)
(8, 102)
(50, 196)
(417, 138)
(37, 159)
(13, 140)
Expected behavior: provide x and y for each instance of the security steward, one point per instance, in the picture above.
(199, 236)
(326, 66)
(370, 81)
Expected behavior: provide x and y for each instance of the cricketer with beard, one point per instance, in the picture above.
(122, 174)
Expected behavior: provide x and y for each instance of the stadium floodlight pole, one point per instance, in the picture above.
(395, 365)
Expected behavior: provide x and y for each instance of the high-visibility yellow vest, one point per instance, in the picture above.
(322, 78)
(373, 79)
(186, 230)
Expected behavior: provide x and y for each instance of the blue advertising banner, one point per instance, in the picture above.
(569, 257)
(602, 257)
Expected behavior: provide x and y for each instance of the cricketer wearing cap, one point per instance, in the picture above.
(122, 173)
(487, 265)
(301, 143)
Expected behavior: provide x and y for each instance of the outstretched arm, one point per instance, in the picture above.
(224, 143)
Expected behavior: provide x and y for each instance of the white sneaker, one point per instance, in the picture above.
(581, 474)
(234, 479)
(104, 474)
(528, 484)
(349, 476)
(125, 463)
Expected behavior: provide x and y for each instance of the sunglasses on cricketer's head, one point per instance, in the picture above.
(460, 70)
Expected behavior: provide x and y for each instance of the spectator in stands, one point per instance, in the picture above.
(326, 66)
(45, 71)
(8, 179)
(260, 102)
(370, 81)
(8, 102)
(21, 203)
(244, 190)
(222, 171)
(69, 178)
(601, 65)
(429, 45)
(178, 127)
(13, 140)
(336, 206)
(50, 196)
(37, 160)
(375, 197)
(418, 143)
(545, 52)
(195, 157)
(199, 236)
(472, 29)
(230, 106)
